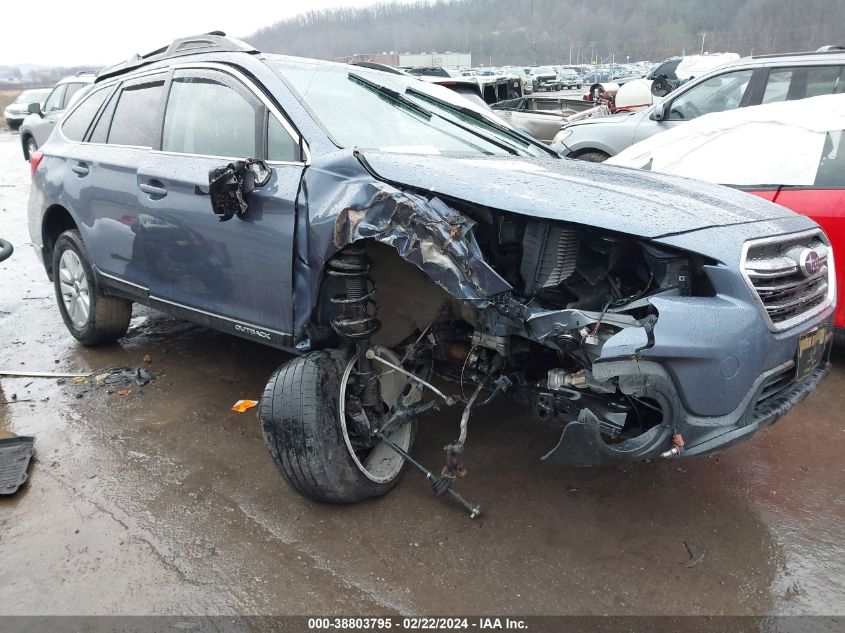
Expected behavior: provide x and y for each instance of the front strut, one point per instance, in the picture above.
(356, 320)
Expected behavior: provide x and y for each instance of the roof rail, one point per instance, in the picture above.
(822, 50)
(79, 73)
(382, 67)
(213, 42)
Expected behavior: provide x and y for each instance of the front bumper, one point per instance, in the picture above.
(14, 119)
(770, 397)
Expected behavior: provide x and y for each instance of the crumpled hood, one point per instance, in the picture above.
(614, 198)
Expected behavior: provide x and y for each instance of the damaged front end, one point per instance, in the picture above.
(529, 307)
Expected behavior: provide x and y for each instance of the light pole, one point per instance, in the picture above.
(703, 35)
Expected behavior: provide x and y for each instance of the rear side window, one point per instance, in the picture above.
(71, 90)
(209, 114)
(77, 124)
(136, 116)
(831, 173)
(801, 82)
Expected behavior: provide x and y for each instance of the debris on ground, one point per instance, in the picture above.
(15, 454)
(124, 376)
(42, 374)
(694, 558)
(242, 406)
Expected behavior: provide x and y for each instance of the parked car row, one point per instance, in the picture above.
(745, 82)
(16, 111)
(385, 230)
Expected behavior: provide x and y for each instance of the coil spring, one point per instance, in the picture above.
(356, 318)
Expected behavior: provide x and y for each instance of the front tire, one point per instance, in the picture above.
(91, 317)
(593, 156)
(300, 416)
(30, 146)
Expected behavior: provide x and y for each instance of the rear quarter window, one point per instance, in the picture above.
(77, 124)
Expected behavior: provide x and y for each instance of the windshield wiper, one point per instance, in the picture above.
(393, 94)
(410, 103)
(480, 118)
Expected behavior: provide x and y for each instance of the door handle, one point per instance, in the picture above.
(79, 168)
(153, 190)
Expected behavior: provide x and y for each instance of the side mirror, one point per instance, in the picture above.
(230, 187)
(34, 108)
(660, 111)
(260, 171)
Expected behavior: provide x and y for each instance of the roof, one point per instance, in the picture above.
(213, 42)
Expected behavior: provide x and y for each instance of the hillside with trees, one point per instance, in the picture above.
(549, 31)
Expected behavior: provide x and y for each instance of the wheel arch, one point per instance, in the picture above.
(588, 150)
(26, 134)
(408, 299)
(57, 219)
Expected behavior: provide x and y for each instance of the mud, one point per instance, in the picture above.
(165, 501)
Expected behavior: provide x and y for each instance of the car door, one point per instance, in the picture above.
(237, 273)
(106, 166)
(51, 112)
(725, 91)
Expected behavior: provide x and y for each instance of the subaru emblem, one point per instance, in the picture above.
(810, 262)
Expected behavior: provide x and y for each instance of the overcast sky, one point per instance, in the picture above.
(64, 33)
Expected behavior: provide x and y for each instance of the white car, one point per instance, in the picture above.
(37, 126)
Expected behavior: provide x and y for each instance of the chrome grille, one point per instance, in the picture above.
(792, 276)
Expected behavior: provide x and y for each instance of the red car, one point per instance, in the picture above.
(824, 202)
(791, 153)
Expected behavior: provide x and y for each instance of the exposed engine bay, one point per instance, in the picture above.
(572, 289)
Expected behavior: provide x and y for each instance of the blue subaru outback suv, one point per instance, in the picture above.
(385, 232)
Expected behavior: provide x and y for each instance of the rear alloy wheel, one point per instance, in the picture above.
(314, 443)
(91, 317)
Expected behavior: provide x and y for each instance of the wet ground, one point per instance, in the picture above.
(165, 501)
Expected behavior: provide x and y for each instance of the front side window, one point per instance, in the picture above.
(54, 101)
(135, 121)
(207, 114)
(76, 125)
(717, 94)
(280, 144)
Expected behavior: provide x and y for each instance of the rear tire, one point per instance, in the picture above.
(91, 317)
(593, 157)
(300, 421)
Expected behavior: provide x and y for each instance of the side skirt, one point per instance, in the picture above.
(127, 290)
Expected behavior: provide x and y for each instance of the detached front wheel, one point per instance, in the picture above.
(306, 422)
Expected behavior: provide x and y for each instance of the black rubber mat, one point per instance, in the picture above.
(15, 453)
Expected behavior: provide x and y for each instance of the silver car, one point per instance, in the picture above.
(748, 81)
(37, 126)
(16, 111)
